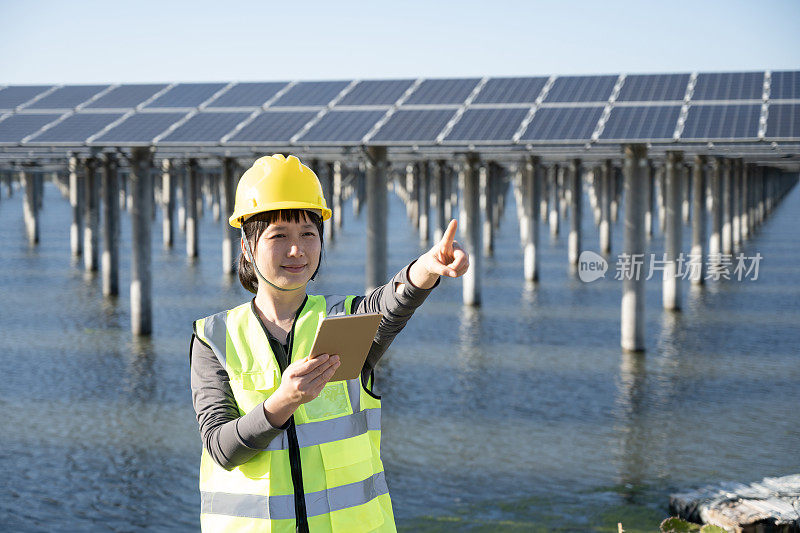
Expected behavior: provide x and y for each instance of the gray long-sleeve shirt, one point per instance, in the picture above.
(231, 439)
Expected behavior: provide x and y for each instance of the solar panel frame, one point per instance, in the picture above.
(487, 126)
(376, 93)
(443, 91)
(186, 96)
(581, 89)
(654, 87)
(511, 90)
(272, 127)
(562, 124)
(139, 129)
(126, 96)
(247, 95)
(783, 122)
(205, 128)
(311, 94)
(709, 122)
(342, 127)
(68, 97)
(75, 129)
(711, 86)
(422, 125)
(14, 96)
(16, 127)
(784, 85)
(655, 123)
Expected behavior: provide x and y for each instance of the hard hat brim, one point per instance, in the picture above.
(237, 217)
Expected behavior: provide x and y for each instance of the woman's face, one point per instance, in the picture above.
(287, 253)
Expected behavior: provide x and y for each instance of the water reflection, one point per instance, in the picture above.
(634, 436)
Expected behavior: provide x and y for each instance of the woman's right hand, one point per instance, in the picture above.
(303, 380)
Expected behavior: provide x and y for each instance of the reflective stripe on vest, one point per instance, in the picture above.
(282, 507)
(343, 427)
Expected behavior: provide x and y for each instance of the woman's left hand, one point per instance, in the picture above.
(446, 258)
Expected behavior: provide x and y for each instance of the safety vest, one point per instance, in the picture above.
(333, 442)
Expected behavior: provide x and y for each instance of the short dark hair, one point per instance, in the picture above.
(257, 224)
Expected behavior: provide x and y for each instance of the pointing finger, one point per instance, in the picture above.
(449, 234)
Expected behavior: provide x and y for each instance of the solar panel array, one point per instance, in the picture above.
(655, 108)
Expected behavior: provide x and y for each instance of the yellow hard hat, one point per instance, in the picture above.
(277, 182)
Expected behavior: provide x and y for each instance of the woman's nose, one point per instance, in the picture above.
(295, 250)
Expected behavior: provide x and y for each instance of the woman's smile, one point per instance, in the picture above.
(294, 269)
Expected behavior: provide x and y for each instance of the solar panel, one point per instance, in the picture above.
(140, 128)
(17, 127)
(581, 89)
(126, 96)
(510, 91)
(722, 122)
(487, 125)
(187, 95)
(783, 121)
(413, 125)
(563, 123)
(311, 93)
(273, 127)
(339, 127)
(67, 97)
(653, 87)
(432, 92)
(376, 92)
(784, 85)
(729, 86)
(248, 95)
(205, 128)
(642, 122)
(76, 128)
(11, 97)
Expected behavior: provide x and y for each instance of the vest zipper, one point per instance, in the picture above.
(301, 517)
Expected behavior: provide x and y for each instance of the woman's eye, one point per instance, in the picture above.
(277, 235)
(309, 233)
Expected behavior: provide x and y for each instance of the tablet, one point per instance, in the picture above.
(350, 337)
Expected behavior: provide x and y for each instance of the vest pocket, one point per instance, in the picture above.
(252, 388)
(333, 401)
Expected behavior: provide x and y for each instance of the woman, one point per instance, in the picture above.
(284, 449)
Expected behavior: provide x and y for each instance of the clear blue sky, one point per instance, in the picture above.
(136, 41)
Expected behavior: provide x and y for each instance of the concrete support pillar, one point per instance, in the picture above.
(412, 189)
(544, 210)
(531, 188)
(451, 207)
(736, 202)
(662, 200)
(649, 185)
(672, 237)
(715, 240)
(9, 184)
(442, 195)
(377, 166)
(76, 191)
(180, 195)
(761, 208)
(215, 196)
(110, 257)
(633, 247)
(686, 210)
(91, 221)
(424, 203)
(605, 206)
(489, 175)
(123, 192)
(745, 217)
(29, 212)
(727, 208)
(616, 185)
(576, 195)
(554, 193)
(697, 256)
(338, 214)
(167, 202)
(39, 190)
(326, 177)
(230, 235)
(563, 191)
(469, 183)
(141, 207)
(192, 201)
